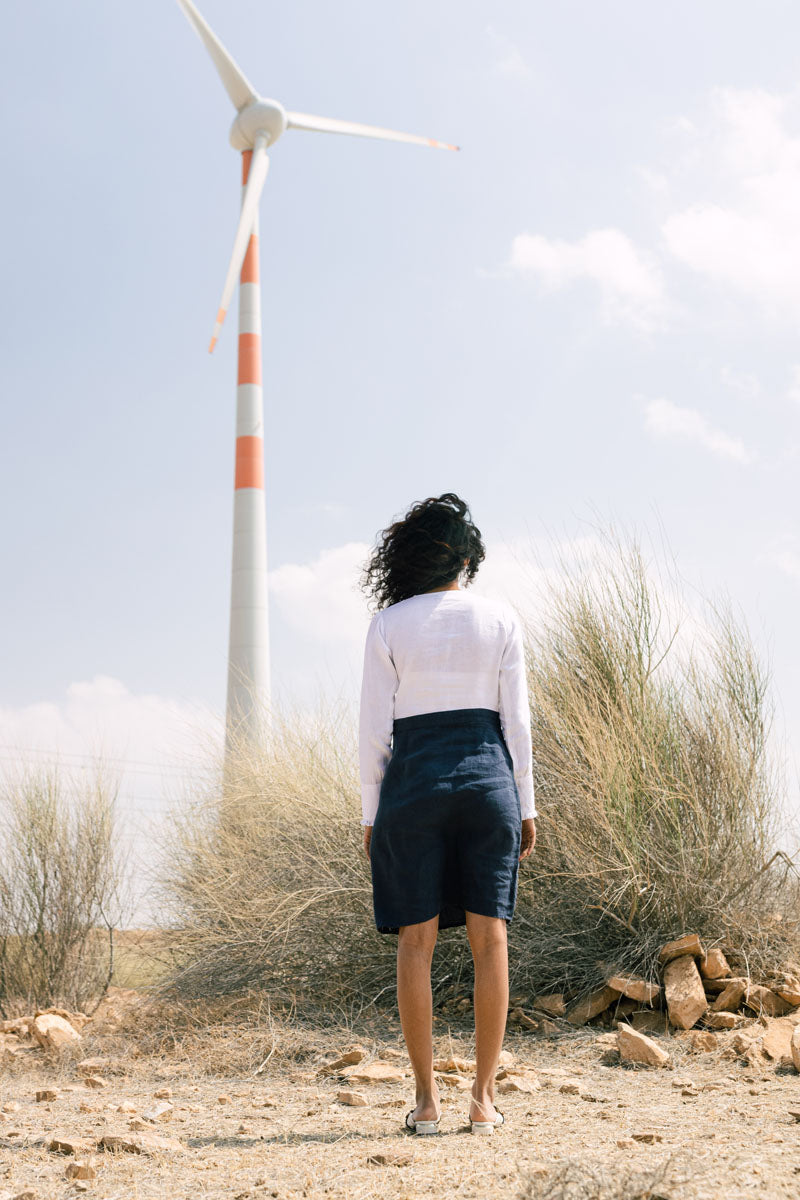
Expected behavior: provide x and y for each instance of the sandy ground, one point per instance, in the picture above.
(705, 1128)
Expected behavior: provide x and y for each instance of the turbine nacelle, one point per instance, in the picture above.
(263, 116)
(257, 125)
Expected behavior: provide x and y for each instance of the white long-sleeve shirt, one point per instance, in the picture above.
(434, 652)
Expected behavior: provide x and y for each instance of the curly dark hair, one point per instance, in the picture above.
(434, 543)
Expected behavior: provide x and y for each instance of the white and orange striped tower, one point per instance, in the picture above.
(257, 125)
(248, 647)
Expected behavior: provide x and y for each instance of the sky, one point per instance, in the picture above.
(588, 315)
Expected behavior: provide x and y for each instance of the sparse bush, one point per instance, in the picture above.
(265, 879)
(659, 797)
(59, 887)
(658, 815)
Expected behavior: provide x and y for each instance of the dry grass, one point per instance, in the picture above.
(659, 810)
(60, 880)
(709, 1128)
(660, 806)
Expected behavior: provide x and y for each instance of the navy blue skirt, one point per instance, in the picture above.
(448, 831)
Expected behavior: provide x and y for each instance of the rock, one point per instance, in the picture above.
(450, 1079)
(68, 1145)
(505, 1059)
(747, 1044)
(224, 1098)
(721, 1020)
(683, 989)
(637, 1047)
(606, 1040)
(53, 1031)
(689, 944)
(160, 1111)
(11, 1106)
(635, 989)
(453, 1064)
(139, 1123)
(776, 1040)
(354, 1055)
(517, 1017)
(714, 965)
(518, 1083)
(585, 1009)
(789, 989)
(93, 1066)
(355, 1099)
(764, 1000)
(164, 1093)
(95, 1081)
(570, 1088)
(392, 1159)
(553, 1004)
(127, 1106)
(80, 1170)
(703, 1041)
(547, 1027)
(140, 1143)
(45, 1094)
(649, 1137)
(794, 1047)
(648, 1020)
(730, 997)
(376, 1072)
(76, 1019)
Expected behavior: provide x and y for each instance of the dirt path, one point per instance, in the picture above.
(710, 1129)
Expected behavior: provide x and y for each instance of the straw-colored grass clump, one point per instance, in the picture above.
(60, 887)
(659, 813)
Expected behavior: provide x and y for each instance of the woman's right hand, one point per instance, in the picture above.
(528, 837)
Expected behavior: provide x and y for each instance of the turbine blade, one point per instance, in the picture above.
(330, 125)
(259, 165)
(237, 85)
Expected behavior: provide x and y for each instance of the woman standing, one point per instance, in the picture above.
(446, 778)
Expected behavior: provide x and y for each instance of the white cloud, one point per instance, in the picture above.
(748, 241)
(665, 419)
(744, 382)
(507, 58)
(794, 387)
(101, 718)
(321, 598)
(784, 553)
(629, 280)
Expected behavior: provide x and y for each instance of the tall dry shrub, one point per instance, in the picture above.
(60, 876)
(658, 814)
(659, 797)
(265, 883)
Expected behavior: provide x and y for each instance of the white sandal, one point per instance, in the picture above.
(421, 1126)
(485, 1126)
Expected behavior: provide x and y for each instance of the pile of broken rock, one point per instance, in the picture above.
(701, 1001)
(54, 1029)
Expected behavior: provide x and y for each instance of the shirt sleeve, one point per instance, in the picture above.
(376, 717)
(515, 716)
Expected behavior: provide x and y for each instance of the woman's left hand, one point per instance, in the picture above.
(367, 838)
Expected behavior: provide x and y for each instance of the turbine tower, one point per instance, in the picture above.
(257, 125)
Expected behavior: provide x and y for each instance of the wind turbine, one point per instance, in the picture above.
(257, 125)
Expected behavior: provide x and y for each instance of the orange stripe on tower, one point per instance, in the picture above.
(246, 158)
(249, 358)
(250, 264)
(249, 462)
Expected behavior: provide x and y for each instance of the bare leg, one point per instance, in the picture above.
(415, 948)
(489, 945)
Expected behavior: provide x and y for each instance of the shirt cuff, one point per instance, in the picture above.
(370, 794)
(526, 801)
